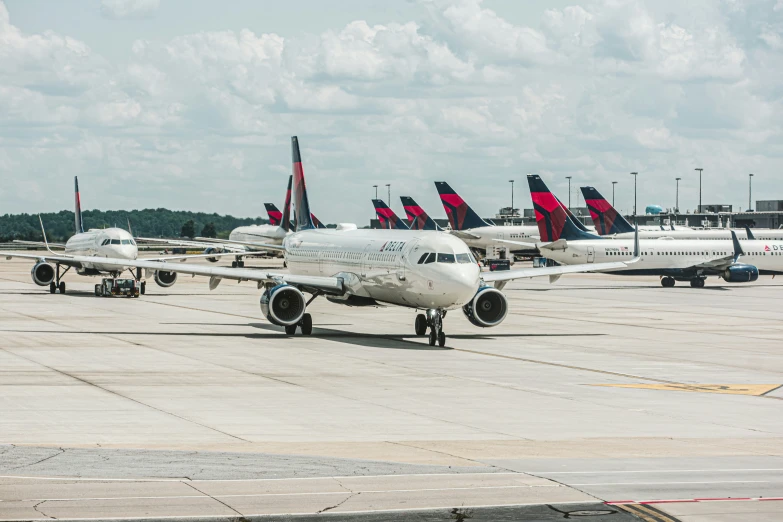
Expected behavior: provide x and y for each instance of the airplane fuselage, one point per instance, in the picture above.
(110, 242)
(269, 234)
(769, 234)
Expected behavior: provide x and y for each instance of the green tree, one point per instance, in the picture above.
(209, 230)
(188, 229)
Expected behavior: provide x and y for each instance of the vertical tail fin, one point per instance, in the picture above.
(285, 220)
(301, 204)
(316, 222)
(606, 219)
(275, 216)
(417, 217)
(79, 224)
(576, 220)
(461, 216)
(387, 217)
(553, 221)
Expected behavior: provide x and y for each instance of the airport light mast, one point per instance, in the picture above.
(376, 191)
(635, 175)
(569, 191)
(677, 197)
(613, 184)
(512, 199)
(700, 170)
(388, 193)
(750, 190)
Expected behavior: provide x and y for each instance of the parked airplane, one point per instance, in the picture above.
(417, 217)
(609, 222)
(386, 216)
(676, 260)
(431, 271)
(477, 233)
(108, 251)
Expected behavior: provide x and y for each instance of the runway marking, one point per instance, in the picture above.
(647, 513)
(757, 390)
(673, 482)
(728, 470)
(692, 500)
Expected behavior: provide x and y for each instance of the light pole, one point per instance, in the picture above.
(569, 191)
(699, 188)
(677, 200)
(376, 191)
(613, 184)
(635, 175)
(388, 193)
(750, 190)
(512, 198)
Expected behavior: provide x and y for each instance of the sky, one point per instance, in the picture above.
(190, 104)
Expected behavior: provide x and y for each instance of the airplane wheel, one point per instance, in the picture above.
(421, 324)
(233, 264)
(307, 324)
(441, 339)
(290, 329)
(667, 282)
(143, 287)
(62, 287)
(97, 290)
(433, 337)
(52, 287)
(241, 264)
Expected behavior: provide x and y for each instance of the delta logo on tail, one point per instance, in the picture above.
(552, 220)
(417, 217)
(316, 222)
(461, 216)
(606, 219)
(79, 224)
(275, 216)
(301, 204)
(386, 216)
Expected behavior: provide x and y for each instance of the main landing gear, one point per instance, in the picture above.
(698, 282)
(434, 321)
(305, 325)
(56, 285)
(667, 282)
(238, 263)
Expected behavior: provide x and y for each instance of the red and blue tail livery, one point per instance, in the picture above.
(387, 217)
(460, 215)
(316, 222)
(285, 220)
(302, 215)
(417, 217)
(551, 217)
(77, 211)
(606, 219)
(275, 216)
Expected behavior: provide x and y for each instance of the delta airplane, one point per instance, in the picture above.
(424, 270)
(677, 260)
(386, 216)
(609, 222)
(417, 217)
(95, 252)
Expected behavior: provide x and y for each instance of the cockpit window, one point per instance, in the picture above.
(445, 258)
(423, 257)
(463, 258)
(115, 242)
(133, 242)
(126, 241)
(430, 258)
(105, 242)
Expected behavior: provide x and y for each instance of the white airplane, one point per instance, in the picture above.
(91, 253)
(609, 222)
(676, 260)
(424, 270)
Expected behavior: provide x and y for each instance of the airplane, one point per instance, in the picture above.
(417, 217)
(94, 252)
(386, 216)
(423, 270)
(609, 222)
(477, 233)
(676, 260)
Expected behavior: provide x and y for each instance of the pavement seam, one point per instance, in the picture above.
(35, 507)
(62, 450)
(213, 498)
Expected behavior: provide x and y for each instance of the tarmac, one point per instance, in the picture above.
(600, 396)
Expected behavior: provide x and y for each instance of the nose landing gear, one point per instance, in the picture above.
(434, 321)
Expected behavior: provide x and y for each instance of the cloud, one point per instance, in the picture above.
(129, 9)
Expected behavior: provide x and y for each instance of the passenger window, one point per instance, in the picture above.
(445, 258)
(430, 258)
(463, 258)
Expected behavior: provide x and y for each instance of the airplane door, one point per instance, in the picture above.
(590, 254)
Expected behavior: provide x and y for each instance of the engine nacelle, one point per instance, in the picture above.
(43, 274)
(283, 305)
(740, 274)
(165, 278)
(213, 250)
(487, 308)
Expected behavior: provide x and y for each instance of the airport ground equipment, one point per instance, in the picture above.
(113, 287)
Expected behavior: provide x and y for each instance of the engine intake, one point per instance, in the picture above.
(212, 250)
(283, 305)
(43, 274)
(164, 278)
(487, 308)
(740, 273)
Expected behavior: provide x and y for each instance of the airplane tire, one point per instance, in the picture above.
(421, 324)
(307, 324)
(97, 290)
(667, 282)
(62, 287)
(290, 329)
(240, 264)
(233, 264)
(52, 287)
(433, 337)
(441, 339)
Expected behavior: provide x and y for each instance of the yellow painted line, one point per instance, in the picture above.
(730, 389)
(647, 513)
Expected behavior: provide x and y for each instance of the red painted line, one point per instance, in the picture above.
(615, 502)
(724, 499)
(684, 500)
(769, 498)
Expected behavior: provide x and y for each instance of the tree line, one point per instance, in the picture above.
(159, 222)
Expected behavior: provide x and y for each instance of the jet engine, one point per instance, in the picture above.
(740, 273)
(43, 274)
(164, 278)
(487, 308)
(283, 305)
(213, 250)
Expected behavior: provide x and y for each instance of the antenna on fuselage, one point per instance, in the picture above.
(46, 241)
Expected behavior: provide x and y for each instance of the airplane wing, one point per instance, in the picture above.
(463, 234)
(248, 244)
(183, 243)
(39, 243)
(237, 247)
(552, 271)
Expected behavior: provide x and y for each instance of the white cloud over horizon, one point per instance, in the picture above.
(202, 120)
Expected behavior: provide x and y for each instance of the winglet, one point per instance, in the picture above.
(737, 247)
(130, 230)
(749, 233)
(46, 242)
(637, 251)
